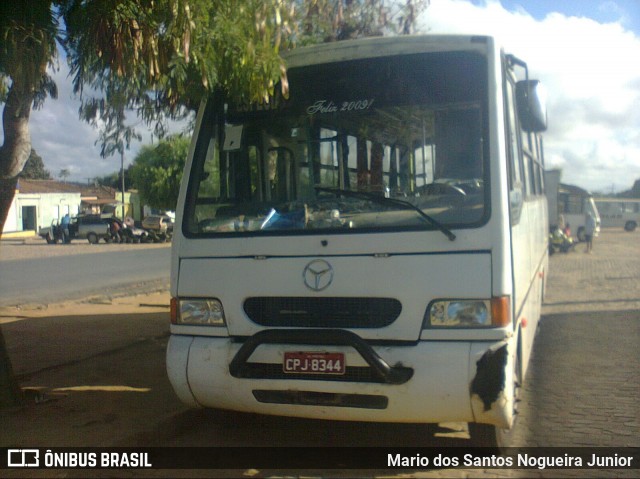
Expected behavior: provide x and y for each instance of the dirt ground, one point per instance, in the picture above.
(98, 325)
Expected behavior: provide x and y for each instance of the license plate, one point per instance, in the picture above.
(301, 362)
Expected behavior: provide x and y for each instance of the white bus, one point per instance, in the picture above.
(619, 212)
(569, 205)
(371, 245)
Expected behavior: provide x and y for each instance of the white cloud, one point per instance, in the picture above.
(66, 142)
(592, 77)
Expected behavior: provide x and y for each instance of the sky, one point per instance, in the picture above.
(586, 52)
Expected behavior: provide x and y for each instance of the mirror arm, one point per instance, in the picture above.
(514, 60)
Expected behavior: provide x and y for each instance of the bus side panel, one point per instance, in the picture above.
(530, 259)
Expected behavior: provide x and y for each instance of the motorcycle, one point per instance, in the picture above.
(560, 241)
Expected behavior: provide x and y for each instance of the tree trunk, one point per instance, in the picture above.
(16, 148)
(7, 192)
(10, 393)
(14, 153)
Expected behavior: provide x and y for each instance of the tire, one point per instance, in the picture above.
(50, 239)
(630, 226)
(92, 238)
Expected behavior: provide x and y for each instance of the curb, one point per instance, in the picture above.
(121, 291)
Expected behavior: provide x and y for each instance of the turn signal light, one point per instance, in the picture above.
(500, 311)
(173, 309)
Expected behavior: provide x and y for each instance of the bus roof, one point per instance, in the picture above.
(383, 46)
(573, 189)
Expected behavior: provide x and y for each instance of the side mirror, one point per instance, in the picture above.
(531, 99)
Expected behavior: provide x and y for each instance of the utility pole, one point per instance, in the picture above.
(122, 184)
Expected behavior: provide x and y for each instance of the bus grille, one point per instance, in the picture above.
(303, 312)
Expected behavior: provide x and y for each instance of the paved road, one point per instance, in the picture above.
(40, 273)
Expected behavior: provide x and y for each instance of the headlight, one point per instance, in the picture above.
(470, 313)
(197, 312)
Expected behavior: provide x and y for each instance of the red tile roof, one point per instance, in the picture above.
(53, 186)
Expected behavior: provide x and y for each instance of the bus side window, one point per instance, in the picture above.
(516, 184)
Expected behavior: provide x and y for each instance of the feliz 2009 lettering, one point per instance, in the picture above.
(328, 106)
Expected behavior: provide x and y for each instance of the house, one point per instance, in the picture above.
(39, 202)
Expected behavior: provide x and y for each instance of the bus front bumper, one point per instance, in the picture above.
(428, 381)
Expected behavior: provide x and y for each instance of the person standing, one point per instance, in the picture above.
(64, 224)
(589, 232)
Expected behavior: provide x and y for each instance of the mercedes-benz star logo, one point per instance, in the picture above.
(317, 275)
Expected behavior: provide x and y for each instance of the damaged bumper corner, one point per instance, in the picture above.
(492, 387)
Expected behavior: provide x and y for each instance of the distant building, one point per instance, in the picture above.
(39, 202)
(98, 199)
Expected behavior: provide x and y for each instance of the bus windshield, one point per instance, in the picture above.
(411, 129)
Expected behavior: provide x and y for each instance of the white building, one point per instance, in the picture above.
(38, 202)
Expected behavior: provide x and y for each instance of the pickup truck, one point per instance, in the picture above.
(90, 227)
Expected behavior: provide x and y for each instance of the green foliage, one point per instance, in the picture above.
(323, 21)
(34, 168)
(28, 33)
(157, 171)
(160, 57)
(114, 180)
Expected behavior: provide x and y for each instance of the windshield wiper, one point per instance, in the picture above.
(389, 201)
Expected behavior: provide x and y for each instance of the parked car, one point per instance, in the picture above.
(93, 228)
(160, 227)
(52, 234)
(160, 223)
